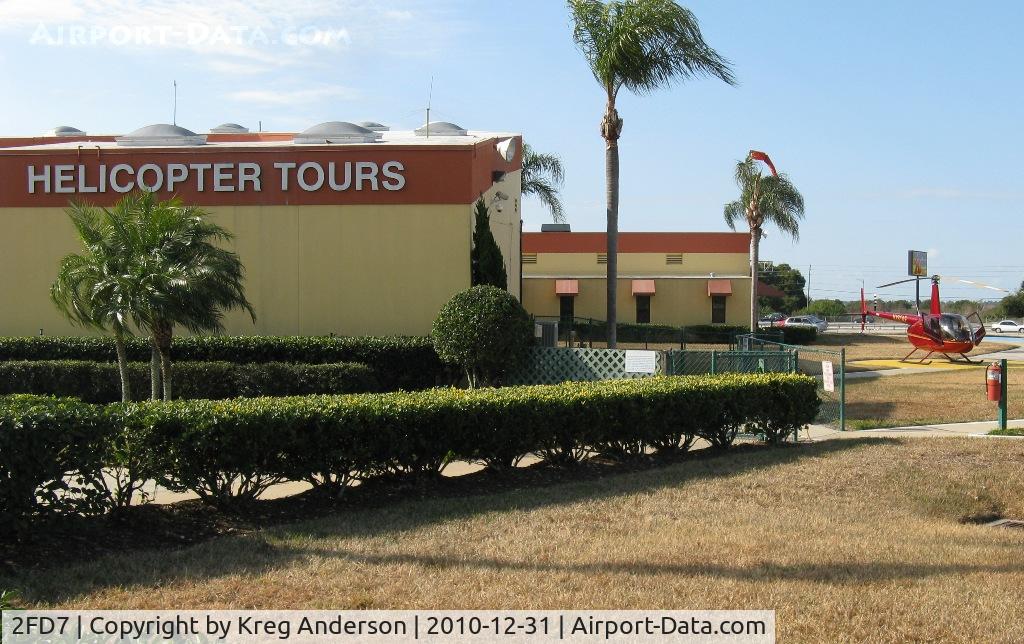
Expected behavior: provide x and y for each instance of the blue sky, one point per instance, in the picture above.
(900, 122)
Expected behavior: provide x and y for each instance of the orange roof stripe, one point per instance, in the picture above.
(637, 242)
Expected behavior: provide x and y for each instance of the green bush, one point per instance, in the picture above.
(594, 330)
(99, 382)
(51, 455)
(799, 334)
(399, 362)
(484, 330)
(230, 451)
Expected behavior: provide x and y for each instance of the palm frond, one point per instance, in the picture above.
(543, 177)
(643, 45)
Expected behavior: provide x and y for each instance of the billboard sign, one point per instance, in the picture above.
(917, 263)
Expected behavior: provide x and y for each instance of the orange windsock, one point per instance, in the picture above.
(761, 156)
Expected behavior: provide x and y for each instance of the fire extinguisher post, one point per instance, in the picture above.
(1002, 394)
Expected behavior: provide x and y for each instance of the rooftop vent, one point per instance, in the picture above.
(161, 135)
(373, 125)
(229, 128)
(337, 132)
(440, 128)
(65, 130)
(555, 228)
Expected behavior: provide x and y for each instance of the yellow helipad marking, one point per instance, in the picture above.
(931, 363)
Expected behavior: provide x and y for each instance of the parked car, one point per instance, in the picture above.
(1007, 326)
(771, 320)
(807, 321)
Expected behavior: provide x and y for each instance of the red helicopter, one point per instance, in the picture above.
(934, 332)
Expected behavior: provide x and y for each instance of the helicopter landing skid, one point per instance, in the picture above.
(921, 361)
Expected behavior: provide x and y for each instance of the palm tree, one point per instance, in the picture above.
(92, 289)
(186, 278)
(642, 45)
(770, 199)
(543, 177)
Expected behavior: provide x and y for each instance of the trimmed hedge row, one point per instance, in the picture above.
(228, 451)
(400, 362)
(100, 382)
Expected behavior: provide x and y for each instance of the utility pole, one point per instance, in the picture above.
(174, 115)
(809, 267)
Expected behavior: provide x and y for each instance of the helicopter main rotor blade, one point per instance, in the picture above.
(899, 282)
(976, 284)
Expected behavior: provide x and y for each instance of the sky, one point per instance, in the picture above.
(899, 122)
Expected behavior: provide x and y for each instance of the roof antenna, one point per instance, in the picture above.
(430, 98)
(174, 117)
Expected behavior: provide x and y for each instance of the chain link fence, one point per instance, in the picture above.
(826, 366)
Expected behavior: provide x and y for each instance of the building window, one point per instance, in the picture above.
(643, 309)
(717, 309)
(566, 309)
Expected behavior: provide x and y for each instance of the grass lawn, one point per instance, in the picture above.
(884, 347)
(1009, 431)
(929, 398)
(852, 540)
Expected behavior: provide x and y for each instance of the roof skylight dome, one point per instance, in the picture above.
(161, 135)
(65, 130)
(229, 128)
(374, 126)
(440, 128)
(336, 132)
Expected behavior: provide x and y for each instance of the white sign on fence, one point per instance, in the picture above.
(828, 376)
(641, 361)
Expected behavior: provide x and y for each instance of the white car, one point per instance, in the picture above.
(807, 321)
(1007, 326)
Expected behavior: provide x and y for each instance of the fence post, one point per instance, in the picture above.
(842, 389)
(1002, 394)
(713, 352)
(796, 360)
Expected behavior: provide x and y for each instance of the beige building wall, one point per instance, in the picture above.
(574, 264)
(677, 301)
(349, 270)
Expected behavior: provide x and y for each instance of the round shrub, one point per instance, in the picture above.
(486, 331)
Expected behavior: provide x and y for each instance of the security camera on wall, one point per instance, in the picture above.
(507, 150)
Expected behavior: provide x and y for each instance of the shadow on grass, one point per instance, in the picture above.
(391, 509)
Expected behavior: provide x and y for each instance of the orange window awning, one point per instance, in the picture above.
(567, 287)
(643, 287)
(719, 287)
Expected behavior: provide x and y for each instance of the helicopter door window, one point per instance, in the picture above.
(955, 328)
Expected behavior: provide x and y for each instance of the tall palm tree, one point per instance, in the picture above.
(543, 177)
(92, 289)
(642, 45)
(768, 199)
(186, 278)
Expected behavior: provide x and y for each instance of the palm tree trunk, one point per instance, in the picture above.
(611, 128)
(755, 243)
(163, 333)
(155, 381)
(122, 364)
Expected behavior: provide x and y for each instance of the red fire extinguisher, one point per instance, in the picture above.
(993, 378)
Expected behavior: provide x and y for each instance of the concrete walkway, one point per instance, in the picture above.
(976, 429)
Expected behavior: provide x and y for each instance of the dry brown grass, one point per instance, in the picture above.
(853, 540)
(952, 396)
(884, 347)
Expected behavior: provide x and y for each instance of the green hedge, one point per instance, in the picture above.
(230, 450)
(587, 330)
(399, 362)
(100, 382)
(799, 335)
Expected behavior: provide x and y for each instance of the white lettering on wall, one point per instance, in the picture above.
(318, 172)
(34, 178)
(149, 186)
(310, 176)
(393, 170)
(116, 170)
